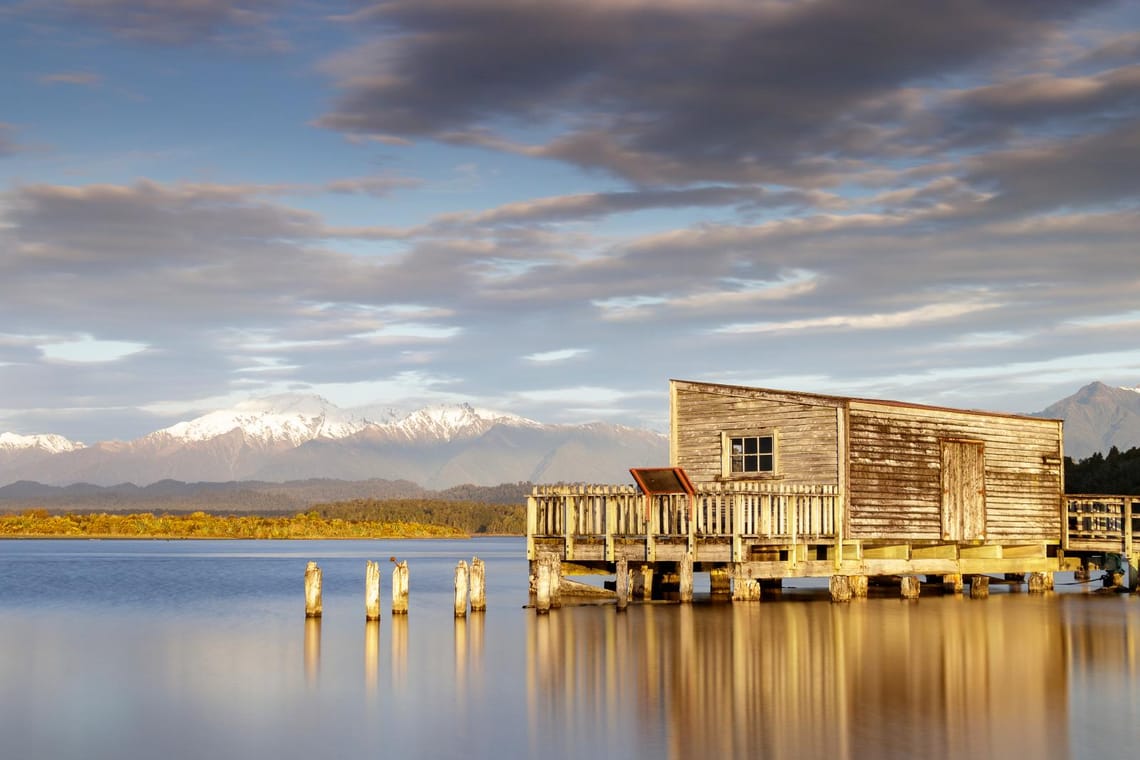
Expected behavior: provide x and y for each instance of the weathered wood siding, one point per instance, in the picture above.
(806, 427)
(895, 471)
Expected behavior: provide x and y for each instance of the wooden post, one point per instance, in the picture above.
(400, 588)
(621, 584)
(1039, 583)
(952, 583)
(979, 586)
(555, 581)
(462, 585)
(372, 590)
(687, 577)
(531, 523)
(840, 588)
(478, 585)
(910, 587)
(858, 584)
(542, 585)
(312, 590)
(647, 581)
(720, 582)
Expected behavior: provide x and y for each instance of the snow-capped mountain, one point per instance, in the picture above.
(49, 444)
(291, 436)
(288, 419)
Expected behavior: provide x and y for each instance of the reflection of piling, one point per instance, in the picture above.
(399, 588)
(399, 650)
(371, 655)
(372, 591)
(478, 585)
(312, 590)
(462, 584)
(312, 648)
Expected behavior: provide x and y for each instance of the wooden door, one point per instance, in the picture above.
(963, 490)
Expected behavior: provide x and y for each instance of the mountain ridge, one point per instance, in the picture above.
(294, 436)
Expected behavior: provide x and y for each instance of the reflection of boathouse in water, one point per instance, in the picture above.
(766, 485)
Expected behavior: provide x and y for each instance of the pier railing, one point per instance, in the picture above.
(781, 513)
(1102, 523)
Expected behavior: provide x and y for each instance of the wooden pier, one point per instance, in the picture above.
(765, 484)
(757, 531)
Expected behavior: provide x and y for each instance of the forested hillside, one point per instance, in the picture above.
(467, 516)
(1114, 473)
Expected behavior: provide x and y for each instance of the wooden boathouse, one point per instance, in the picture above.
(765, 485)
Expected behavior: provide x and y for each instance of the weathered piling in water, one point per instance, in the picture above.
(621, 584)
(720, 582)
(979, 586)
(745, 589)
(952, 583)
(642, 586)
(399, 588)
(312, 590)
(478, 585)
(910, 587)
(840, 588)
(858, 585)
(462, 585)
(372, 590)
(543, 568)
(687, 577)
(555, 581)
(1039, 583)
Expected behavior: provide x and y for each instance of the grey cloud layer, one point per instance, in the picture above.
(783, 92)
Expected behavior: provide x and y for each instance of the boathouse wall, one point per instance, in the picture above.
(903, 471)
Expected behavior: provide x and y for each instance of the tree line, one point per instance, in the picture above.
(41, 523)
(468, 516)
(1113, 473)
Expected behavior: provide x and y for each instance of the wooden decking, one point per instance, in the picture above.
(760, 531)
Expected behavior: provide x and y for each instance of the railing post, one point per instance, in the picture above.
(1126, 514)
(732, 501)
(652, 514)
(572, 522)
(531, 523)
(611, 524)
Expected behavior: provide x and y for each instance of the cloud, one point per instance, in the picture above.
(670, 92)
(586, 206)
(180, 22)
(556, 356)
(79, 78)
(377, 187)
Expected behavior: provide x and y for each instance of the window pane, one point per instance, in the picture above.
(750, 445)
(737, 445)
(766, 463)
(738, 464)
(766, 444)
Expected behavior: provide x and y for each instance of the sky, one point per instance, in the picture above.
(551, 208)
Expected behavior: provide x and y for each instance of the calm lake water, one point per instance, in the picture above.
(200, 649)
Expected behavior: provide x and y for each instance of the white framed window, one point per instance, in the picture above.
(751, 454)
